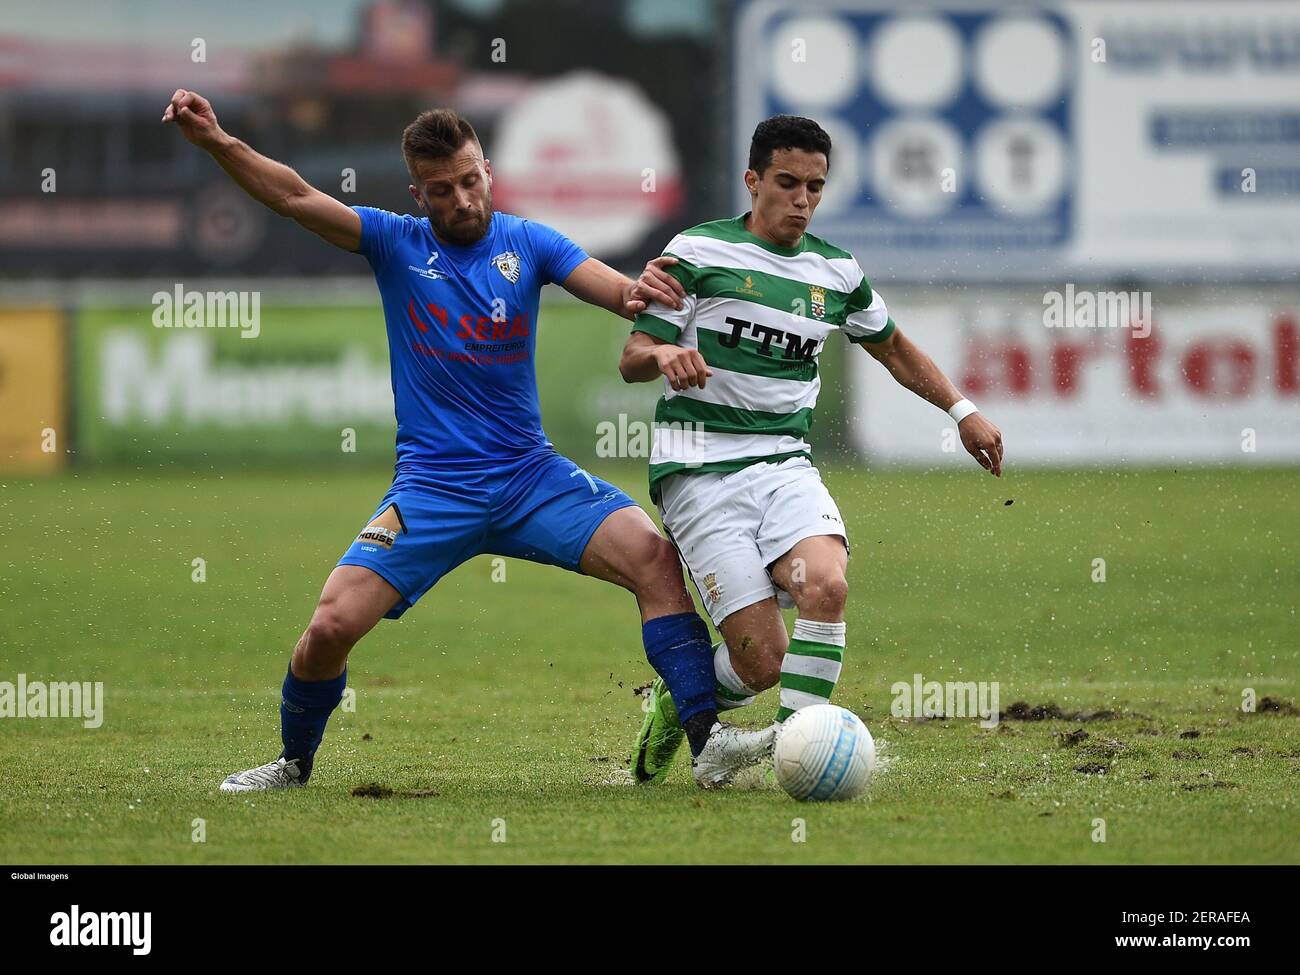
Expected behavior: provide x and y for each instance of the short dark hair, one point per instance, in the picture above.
(786, 132)
(436, 134)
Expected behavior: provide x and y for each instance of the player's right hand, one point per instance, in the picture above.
(193, 113)
(983, 441)
(656, 284)
(682, 367)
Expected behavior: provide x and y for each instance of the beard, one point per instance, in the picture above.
(464, 232)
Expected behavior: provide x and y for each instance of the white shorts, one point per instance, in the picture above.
(730, 528)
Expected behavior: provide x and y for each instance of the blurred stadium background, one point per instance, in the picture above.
(986, 155)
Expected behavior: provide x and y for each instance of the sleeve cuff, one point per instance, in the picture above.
(872, 339)
(574, 262)
(657, 327)
(365, 232)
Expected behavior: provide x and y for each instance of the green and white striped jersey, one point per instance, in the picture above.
(759, 314)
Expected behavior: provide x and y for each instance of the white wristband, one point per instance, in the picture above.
(962, 409)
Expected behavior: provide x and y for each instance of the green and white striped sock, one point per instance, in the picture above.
(811, 666)
(729, 691)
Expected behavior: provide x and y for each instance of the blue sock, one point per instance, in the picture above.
(678, 649)
(305, 706)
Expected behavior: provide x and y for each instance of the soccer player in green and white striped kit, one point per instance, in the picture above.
(730, 468)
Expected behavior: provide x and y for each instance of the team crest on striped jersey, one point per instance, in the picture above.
(818, 301)
(508, 264)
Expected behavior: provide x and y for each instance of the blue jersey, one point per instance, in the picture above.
(462, 332)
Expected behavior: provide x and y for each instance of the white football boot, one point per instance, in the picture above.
(273, 775)
(729, 750)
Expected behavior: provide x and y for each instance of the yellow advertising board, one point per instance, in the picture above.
(33, 394)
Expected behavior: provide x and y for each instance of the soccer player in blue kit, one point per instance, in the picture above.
(475, 473)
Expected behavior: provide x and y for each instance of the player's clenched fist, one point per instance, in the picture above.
(683, 367)
(193, 113)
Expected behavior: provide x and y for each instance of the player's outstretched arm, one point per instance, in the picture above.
(599, 284)
(268, 182)
(646, 357)
(915, 370)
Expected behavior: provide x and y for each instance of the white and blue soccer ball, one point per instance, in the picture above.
(824, 753)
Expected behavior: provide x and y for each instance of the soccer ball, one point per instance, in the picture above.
(824, 752)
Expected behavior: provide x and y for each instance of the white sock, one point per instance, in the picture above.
(729, 691)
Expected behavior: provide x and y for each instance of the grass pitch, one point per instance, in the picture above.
(500, 714)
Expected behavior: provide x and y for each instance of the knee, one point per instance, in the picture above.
(758, 662)
(330, 628)
(329, 637)
(822, 594)
(656, 569)
(768, 668)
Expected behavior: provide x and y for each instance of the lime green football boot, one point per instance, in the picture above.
(660, 736)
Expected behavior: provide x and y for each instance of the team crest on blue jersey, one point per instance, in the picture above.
(818, 296)
(508, 264)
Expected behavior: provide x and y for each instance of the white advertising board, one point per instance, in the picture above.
(1008, 141)
(1208, 376)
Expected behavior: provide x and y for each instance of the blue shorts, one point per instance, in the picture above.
(544, 508)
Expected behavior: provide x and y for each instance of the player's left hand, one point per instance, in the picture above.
(983, 441)
(655, 284)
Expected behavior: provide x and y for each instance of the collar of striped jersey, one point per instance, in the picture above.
(742, 222)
